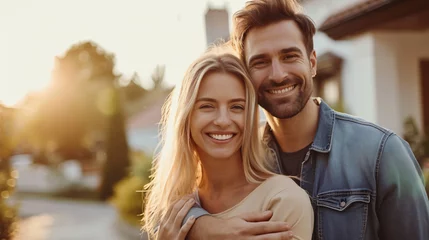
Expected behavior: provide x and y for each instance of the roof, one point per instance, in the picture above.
(149, 114)
(352, 12)
(376, 14)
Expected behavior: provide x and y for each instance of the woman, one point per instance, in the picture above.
(211, 150)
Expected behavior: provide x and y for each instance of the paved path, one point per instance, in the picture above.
(64, 219)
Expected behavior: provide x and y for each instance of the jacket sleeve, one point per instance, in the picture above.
(295, 209)
(402, 203)
(196, 211)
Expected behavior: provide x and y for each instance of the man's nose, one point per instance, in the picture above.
(277, 74)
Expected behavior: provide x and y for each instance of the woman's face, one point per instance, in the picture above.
(218, 116)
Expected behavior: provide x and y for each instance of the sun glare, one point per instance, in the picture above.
(11, 97)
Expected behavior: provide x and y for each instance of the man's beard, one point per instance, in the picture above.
(288, 107)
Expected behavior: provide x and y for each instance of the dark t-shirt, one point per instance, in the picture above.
(291, 163)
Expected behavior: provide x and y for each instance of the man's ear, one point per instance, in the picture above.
(313, 63)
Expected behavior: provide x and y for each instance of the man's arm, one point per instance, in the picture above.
(402, 203)
(241, 227)
(196, 212)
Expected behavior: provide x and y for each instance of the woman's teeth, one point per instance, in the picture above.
(221, 136)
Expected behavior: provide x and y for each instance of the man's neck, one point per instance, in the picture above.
(294, 134)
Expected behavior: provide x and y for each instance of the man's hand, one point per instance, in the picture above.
(250, 226)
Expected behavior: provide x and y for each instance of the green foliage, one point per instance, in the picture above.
(8, 211)
(128, 200)
(418, 141)
(128, 193)
(339, 106)
(68, 113)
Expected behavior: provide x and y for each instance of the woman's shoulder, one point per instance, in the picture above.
(281, 182)
(281, 187)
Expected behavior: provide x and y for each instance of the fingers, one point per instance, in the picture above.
(268, 227)
(182, 212)
(186, 227)
(174, 210)
(168, 213)
(276, 236)
(256, 216)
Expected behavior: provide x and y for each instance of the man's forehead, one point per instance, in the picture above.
(273, 37)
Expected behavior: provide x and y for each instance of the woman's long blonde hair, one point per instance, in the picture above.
(176, 167)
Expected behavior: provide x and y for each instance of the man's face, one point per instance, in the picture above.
(280, 68)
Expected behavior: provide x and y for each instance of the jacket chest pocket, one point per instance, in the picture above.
(342, 214)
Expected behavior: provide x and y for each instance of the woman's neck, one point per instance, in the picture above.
(219, 175)
(223, 183)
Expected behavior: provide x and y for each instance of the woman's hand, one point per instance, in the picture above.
(170, 227)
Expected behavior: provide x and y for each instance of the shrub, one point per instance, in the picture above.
(128, 195)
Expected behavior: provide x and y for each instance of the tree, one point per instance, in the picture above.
(133, 90)
(73, 108)
(8, 212)
(117, 158)
(158, 76)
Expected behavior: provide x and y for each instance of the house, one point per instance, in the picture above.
(142, 127)
(216, 24)
(373, 57)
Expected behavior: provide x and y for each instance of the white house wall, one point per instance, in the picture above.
(388, 94)
(408, 49)
(358, 73)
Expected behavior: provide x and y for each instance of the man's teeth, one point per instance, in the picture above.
(283, 90)
(221, 136)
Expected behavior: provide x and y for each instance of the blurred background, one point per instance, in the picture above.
(82, 84)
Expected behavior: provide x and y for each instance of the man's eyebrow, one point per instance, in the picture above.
(290, 50)
(282, 51)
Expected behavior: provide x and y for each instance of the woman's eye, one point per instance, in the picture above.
(206, 106)
(239, 107)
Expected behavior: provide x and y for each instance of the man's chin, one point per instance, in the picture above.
(281, 110)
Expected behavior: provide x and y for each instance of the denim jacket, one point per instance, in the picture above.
(363, 180)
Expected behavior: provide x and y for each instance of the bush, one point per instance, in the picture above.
(128, 193)
(128, 199)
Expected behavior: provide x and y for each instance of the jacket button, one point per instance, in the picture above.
(342, 204)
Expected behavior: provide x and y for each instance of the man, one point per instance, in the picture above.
(363, 180)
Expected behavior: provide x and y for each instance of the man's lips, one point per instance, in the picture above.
(282, 90)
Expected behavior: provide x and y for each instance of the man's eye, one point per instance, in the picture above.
(290, 57)
(259, 63)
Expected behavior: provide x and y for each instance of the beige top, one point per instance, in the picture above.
(288, 202)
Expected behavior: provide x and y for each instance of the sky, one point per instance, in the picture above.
(141, 34)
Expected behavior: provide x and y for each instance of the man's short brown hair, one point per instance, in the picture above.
(259, 13)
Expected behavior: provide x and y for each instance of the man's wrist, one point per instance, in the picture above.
(201, 227)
